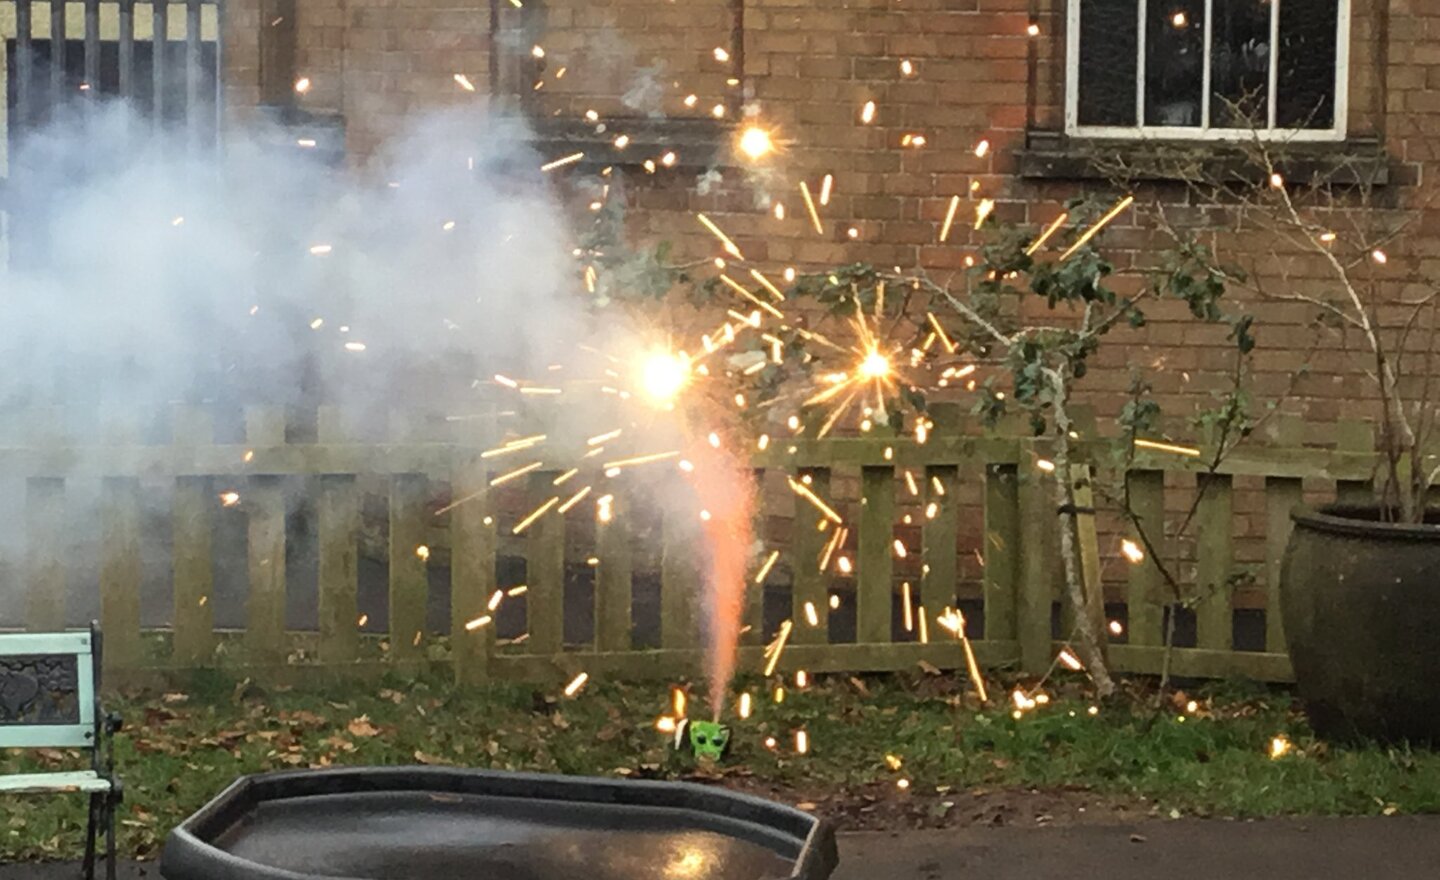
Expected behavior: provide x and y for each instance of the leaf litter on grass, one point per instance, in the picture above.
(962, 763)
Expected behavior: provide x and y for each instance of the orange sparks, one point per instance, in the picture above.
(464, 82)
(1099, 225)
(804, 492)
(535, 514)
(777, 647)
(812, 617)
(802, 742)
(945, 339)
(740, 289)
(1069, 660)
(810, 206)
(983, 211)
(1050, 230)
(909, 612)
(641, 459)
(573, 500)
(520, 471)
(867, 113)
(1167, 447)
(730, 247)
(826, 184)
(562, 162)
(745, 706)
(576, 684)
(765, 283)
(477, 623)
(1132, 551)
(765, 569)
(949, 218)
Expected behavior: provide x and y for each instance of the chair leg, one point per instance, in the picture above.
(90, 833)
(110, 867)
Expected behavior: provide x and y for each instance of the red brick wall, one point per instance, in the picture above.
(811, 65)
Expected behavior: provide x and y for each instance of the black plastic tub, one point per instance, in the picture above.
(440, 823)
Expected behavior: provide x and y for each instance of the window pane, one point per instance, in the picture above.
(1108, 57)
(1307, 64)
(1174, 62)
(1240, 64)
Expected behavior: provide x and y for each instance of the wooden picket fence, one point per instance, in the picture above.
(1018, 585)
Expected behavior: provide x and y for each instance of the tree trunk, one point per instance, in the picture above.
(1091, 651)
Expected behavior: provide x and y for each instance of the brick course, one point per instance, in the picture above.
(809, 68)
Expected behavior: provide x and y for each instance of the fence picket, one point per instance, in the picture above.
(678, 583)
(265, 529)
(939, 537)
(1213, 551)
(807, 543)
(339, 524)
(875, 576)
(191, 509)
(1001, 552)
(1355, 436)
(614, 582)
(473, 541)
(1037, 574)
(545, 570)
(120, 568)
(46, 537)
(1145, 596)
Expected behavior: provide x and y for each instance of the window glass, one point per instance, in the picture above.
(1108, 55)
(1174, 62)
(1240, 63)
(1306, 81)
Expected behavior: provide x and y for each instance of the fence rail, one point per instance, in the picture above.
(1013, 507)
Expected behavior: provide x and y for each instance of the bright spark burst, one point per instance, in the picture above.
(663, 375)
(755, 143)
(1132, 551)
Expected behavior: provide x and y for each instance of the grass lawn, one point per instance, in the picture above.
(1128, 758)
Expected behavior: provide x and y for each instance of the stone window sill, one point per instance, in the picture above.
(696, 143)
(1051, 155)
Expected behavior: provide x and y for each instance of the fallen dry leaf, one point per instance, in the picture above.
(362, 727)
(426, 758)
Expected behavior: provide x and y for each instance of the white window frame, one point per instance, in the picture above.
(1204, 132)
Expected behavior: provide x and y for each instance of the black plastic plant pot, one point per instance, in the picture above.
(440, 823)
